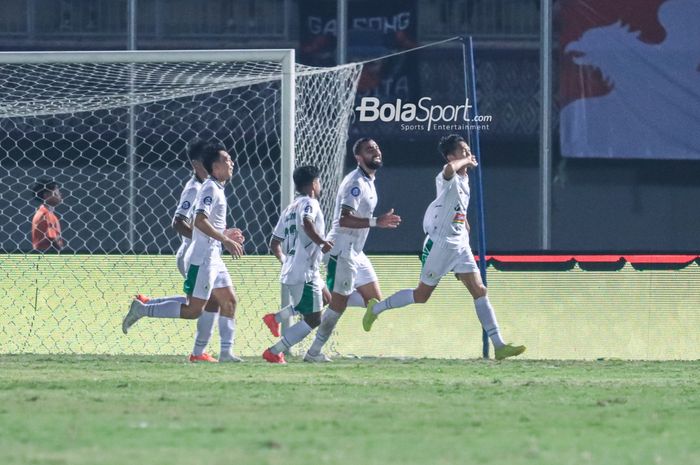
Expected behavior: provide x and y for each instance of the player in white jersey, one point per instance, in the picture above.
(182, 223)
(446, 248)
(304, 228)
(207, 275)
(348, 268)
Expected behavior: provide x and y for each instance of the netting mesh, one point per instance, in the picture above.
(71, 123)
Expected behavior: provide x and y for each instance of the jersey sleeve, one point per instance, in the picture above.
(350, 198)
(278, 232)
(205, 200)
(310, 209)
(186, 204)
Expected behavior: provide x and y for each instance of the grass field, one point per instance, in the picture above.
(75, 303)
(160, 410)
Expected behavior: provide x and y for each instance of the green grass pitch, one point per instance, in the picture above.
(92, 410)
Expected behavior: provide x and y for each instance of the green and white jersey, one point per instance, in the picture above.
(211, 201)
(303, 260)
(358, 194)
(185, 208)
(445, 219)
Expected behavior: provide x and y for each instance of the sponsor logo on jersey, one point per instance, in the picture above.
(207, 200)
(355, 191)
(185, 205)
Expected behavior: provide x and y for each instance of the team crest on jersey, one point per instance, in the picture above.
(207, 200)
(185, 205)
(355, 191)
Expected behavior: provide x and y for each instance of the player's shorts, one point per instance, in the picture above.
(306, 297)
(348, 271)
(202, 279)
(438, 261)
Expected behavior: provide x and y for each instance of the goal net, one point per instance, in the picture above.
(111, 129)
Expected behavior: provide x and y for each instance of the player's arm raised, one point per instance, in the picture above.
(388, 220)
(202, 223)
(449, 170)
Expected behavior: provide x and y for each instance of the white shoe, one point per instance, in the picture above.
(229, 357)
(320, 358)
(135, 314)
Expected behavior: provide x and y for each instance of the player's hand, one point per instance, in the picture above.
(235, 235)
(471, 161)
(326, 246)
(388, 220)
(234, 248)
(326, 295)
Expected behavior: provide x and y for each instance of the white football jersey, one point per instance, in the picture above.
(445, 219)
(211, 201)
(303, 261)
(185, 208)
(356, 193)
(279, 231)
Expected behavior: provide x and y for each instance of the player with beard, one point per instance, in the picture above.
(348, 268)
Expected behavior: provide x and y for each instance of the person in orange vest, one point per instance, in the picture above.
(46, 229)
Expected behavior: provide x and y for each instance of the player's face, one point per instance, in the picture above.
(224, 167)
(370, 156)
(462, 151)
(53, 197)
(316, 185)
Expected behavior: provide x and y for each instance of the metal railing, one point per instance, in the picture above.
(161, 22)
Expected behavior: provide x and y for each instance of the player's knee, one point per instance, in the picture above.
(228, 308)
(191, 312)
(478, 291)
(420, 297)
(313, 319)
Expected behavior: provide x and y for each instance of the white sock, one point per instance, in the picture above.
(292, 336)
(227, 331)
(180, 298)
(167, 309)
(399, 299)
(356, 300)
(205, 328)
(328, 321)
(487, 317)
(285, 313)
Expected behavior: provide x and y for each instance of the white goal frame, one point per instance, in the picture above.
(285, 57)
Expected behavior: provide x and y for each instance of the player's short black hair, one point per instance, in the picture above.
(358, 144)
(449, 144)
(210, 154)
(195, 148)
(304, 175)
(42, 187)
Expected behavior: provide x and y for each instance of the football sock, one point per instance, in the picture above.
(286, 313)
(292, 336)
(227, 331)
(487, 317)
(328, 321)
(205, 328)
(179, 298)
(400, 299)
(356, 300)
(167, 309)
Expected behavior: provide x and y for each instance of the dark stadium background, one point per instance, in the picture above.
(598, 205)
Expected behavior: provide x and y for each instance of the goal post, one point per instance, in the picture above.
(111, 128)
